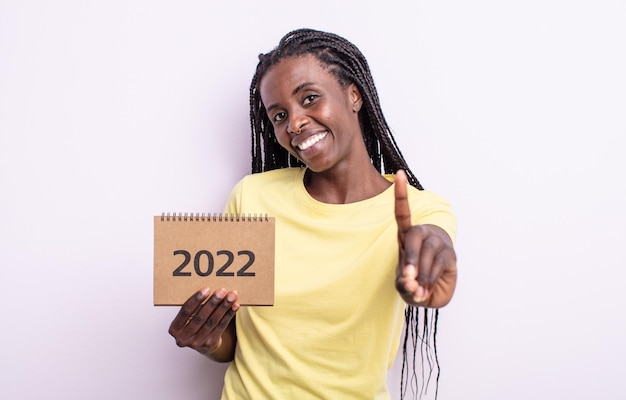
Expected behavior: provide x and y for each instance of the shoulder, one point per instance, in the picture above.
(269, 179)
(421, 198)
(428, 207)
(266, 182)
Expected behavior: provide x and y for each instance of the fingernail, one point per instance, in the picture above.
(420, 295)
(220, 293)
(204, 292)
(232, 296)
(410, 270)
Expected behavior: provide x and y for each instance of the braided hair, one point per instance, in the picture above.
(346, 62)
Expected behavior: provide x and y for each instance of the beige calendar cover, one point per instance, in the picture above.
(218, 251)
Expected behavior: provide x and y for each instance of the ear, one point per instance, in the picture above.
(355, 97)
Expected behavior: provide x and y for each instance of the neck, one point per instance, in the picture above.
(345, 186)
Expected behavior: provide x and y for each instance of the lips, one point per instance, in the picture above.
(311, 140)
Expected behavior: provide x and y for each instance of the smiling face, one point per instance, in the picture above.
(314, 117)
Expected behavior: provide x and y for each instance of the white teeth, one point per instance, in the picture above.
(311, 141)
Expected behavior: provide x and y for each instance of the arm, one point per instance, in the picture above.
(427, 272)
(206, 323)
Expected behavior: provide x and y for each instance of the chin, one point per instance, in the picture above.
(317, 168)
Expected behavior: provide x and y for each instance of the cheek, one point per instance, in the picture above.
(283, 139)
(326, 114)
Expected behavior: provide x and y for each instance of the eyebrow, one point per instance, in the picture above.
(294, 92)
(300, 87)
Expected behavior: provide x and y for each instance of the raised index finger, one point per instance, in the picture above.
(403, 213)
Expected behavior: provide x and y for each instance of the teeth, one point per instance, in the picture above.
(311, 141)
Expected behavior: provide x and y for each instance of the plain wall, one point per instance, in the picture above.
(114, 111)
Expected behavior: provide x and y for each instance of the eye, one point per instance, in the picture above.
(279, 116)
(309, 99)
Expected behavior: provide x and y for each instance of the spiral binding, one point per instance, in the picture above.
(215, 217)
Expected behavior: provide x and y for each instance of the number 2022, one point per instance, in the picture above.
(205, 268)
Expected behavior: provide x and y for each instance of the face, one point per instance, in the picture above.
(314, 117)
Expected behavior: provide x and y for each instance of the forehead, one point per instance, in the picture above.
(291, 72)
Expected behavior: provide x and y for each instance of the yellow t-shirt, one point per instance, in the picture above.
(335, 326)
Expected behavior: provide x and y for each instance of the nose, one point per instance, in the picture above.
(296, 123)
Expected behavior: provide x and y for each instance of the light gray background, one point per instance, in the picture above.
(113, 111)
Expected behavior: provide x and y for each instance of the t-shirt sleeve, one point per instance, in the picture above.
(233, 205)
(429, 208)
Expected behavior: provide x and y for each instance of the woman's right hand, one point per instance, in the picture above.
(206, 324)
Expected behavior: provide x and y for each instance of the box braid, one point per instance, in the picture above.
(344, 60)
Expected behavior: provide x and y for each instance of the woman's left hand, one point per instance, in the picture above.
(426, 274)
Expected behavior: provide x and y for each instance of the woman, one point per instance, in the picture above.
(354, 247)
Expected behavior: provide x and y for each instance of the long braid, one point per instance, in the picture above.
(347, 63)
